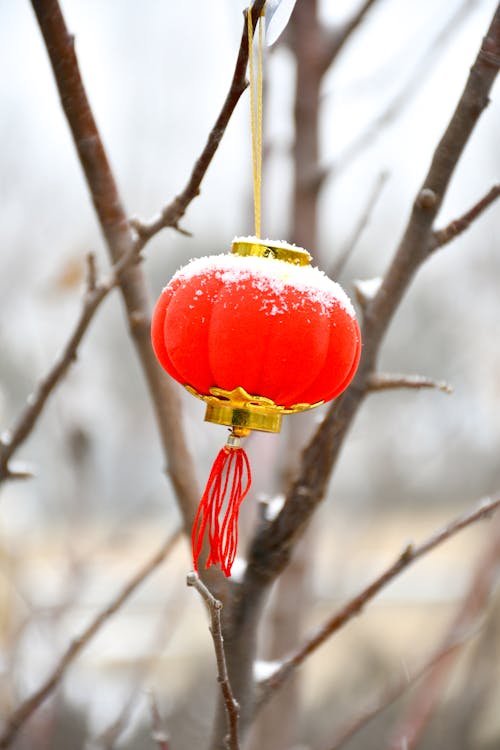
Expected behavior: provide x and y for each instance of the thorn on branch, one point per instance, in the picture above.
(390, 381)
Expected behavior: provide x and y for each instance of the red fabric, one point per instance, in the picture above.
(280, 344)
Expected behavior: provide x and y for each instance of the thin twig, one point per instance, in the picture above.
(395, 107)
(159, 735)
(95, 293)
(360, 227)
(396, 690)
(173, 213)
(338, 37)
(120, 240)
(231, 705)
(108, 738)
(382, 381)
(458, 226)
(473, 606)
(410, 554)
(21, 714)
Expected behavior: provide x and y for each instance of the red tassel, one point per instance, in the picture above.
(227, 487)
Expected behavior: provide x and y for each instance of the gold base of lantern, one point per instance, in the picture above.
(244, 412)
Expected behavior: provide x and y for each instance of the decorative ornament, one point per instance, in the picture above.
(256, 334)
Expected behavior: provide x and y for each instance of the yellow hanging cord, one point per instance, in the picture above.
(256, 116)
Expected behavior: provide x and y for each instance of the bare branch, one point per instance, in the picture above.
(22, 713)
(270, 550)
(121, 241)
(339, 36)
(460, 225)
(396, 105)
(171, 214)
(485, 509)
(95, 293)
(389, 381)
(360, 227)
(231, 705)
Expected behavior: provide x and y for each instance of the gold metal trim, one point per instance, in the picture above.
(244, 412)
(271, 249)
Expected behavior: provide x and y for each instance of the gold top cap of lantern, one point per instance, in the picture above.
(271, 249)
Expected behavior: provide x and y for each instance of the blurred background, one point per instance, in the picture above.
(156, 75)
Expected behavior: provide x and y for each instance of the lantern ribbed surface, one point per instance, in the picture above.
(279, 330)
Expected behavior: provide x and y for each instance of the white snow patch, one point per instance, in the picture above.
(270, 275)
(238, 569)
(368, 288)
(6, 437)
(272, 506)
(262, 670)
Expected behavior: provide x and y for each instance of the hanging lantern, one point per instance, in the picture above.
(256, 334)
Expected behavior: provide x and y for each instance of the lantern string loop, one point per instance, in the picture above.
(217, 515)
(256, 84)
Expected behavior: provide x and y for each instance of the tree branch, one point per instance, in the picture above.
(121, 241)
(390, 381)
(337, 38)
(95, 293)
(20, 715)
(458, 226)
(270, 550)
(232, 708)
(171, 214)
(410, 554)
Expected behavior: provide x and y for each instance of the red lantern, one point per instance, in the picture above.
(256, 334)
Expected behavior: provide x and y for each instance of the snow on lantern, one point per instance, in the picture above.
(256, 334)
